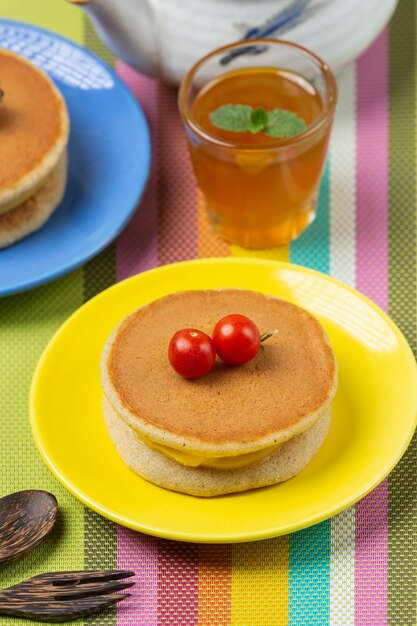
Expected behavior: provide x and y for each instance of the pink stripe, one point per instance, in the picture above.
(136, 251)
(177, 190)
(371, 563)
(178, 583)
(137, 248)
(139, 554)
(372, 172)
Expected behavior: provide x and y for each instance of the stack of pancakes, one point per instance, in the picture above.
(234, 429)
(34, 128)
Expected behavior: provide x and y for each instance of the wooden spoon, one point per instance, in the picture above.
(26, 517)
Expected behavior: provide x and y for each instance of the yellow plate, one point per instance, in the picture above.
(374, 413)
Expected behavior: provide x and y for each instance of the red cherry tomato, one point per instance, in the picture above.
(237, 339)
(191, 353)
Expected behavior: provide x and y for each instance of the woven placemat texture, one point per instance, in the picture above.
(359, 568)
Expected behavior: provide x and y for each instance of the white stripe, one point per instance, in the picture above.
(342, 569)
(343, 181)
(342, 266)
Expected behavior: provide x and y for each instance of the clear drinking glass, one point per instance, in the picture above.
(260, 191)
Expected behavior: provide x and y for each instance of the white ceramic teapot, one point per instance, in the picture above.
(163, 38)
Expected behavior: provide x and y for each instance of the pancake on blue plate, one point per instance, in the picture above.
(34, 129)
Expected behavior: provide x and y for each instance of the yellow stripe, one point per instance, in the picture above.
(56, 15)
(260, 583)
(281, 253)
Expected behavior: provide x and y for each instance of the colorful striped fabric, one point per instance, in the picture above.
(358, 568)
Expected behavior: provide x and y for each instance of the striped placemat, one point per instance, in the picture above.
(360, 566)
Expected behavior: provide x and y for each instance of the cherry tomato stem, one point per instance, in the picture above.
(268, 334)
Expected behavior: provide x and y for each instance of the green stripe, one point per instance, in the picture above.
(27, 322)
(99, 273)
(58, 16)
(402, 301)
(80, 538)
(93, 43)
(100, 534)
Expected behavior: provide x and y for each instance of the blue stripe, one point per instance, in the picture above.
(312, 248)
(309, 550)
(309, 576)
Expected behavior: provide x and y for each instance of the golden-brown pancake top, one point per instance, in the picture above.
(31, 119)
(290, 380)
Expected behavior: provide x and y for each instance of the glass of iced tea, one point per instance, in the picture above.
(258, 117)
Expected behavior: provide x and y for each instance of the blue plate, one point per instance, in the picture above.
(109, 159)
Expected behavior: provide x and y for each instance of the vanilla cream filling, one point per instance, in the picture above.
(190, 459)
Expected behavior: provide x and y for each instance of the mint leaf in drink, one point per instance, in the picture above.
(240, 118)
(234, 117)
(284, 124)
(258, 120)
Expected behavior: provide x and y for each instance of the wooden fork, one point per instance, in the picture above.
(61, 596)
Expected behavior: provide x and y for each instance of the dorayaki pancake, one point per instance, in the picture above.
(34, 126)
(34, 129)
(287, 461)
(230, 411)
